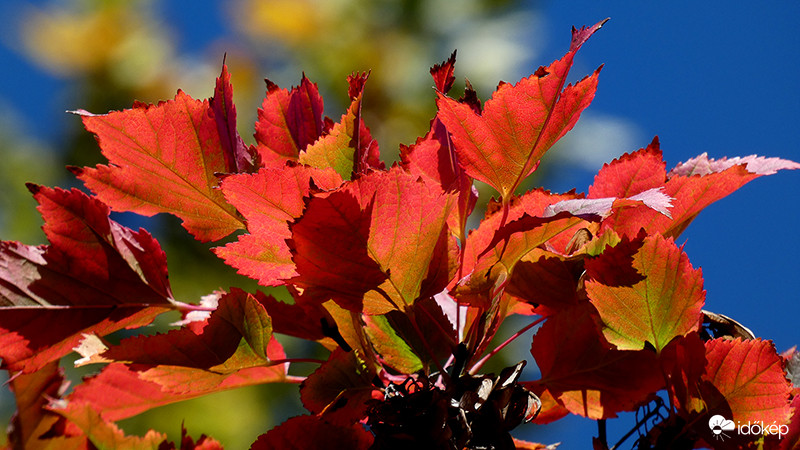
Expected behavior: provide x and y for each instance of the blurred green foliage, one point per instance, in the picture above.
(112, 52)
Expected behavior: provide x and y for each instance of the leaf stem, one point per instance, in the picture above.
(643, 421)
(475, 368)
(602, 434)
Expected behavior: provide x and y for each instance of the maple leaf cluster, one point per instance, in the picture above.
(384, 274)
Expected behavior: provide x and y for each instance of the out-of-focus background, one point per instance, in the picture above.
(713, 76)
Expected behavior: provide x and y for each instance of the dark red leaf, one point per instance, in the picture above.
(289, 121)
(684, 363)
(340, 389)
(314, 433)
(614, 267)
(584, 373)
(665, 304)
(96, 276)
(550, 282)
(238, 158)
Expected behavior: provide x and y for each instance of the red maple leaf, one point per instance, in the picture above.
(165, 159)
(233, 348)
(587, 375)
(289, 121)
(749, 377)
(663, 304)
(692, 186)
(269, 200)
(370, 242)
(504, 143)
(96, 276)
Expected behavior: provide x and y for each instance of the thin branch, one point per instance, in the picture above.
(475, 368)
(602, 433)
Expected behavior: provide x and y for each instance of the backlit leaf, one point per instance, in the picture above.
(164, 159)
(532, 203)
(289, 121)
(503, 145)
(95, 276)
(269, 200)
(510, 244)
(105, 435)
(749, 375)
(233, 348)
(585, 374)
(370, 242)
(663, 305)
(692, 186)
(348, 148)
(31, 420)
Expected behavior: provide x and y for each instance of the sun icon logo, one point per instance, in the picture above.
(719, 425)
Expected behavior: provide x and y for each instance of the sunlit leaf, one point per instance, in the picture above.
(503, 145)
(163, 159)
(692, 186)
(371, 242)
(750, 377)
(584, 373)
(95, 276)
(663, 305)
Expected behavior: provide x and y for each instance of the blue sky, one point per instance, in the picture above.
(712, 76)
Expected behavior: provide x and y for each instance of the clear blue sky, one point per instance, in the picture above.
(712, 76)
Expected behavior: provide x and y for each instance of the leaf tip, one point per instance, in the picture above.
(77, 171)
(82, 112)
(584, 33)
(33, 187)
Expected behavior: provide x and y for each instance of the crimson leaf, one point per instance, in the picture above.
(503, 145)
(164, 158)
(95, 276)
